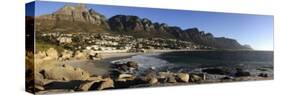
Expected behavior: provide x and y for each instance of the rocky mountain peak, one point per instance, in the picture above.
(73, 18)
(69, 10)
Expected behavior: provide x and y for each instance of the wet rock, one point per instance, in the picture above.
(152, 68)
(150, 77)
(241, 73)
(217, 71)
(129, 67)
(124, 67)
(263, 75)
(132, 64)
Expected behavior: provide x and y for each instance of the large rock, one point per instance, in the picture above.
(183, 77)
(52, 53)
(218, 71)
(132, 64)
(95, 56)
(48, 55)
(171, 79)
(106, 84)
(66, 55)
(242, 73)
(40, 55)
(89, 83)
(153, 81)
(197, 77)
(80, 55)
(125, 77)
(129, 67)
(63, 72)
(165, 74)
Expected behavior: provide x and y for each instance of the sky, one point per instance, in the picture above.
(254, 30)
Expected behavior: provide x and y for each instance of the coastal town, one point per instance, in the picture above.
(110, 43)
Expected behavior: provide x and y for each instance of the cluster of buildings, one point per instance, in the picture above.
(114, 43)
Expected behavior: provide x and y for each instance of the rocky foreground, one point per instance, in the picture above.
(51, 75)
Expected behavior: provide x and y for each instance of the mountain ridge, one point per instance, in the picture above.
(81, 19)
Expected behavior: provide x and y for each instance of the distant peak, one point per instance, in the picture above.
(69, 9)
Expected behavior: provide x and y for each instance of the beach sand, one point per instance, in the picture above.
(99, 67)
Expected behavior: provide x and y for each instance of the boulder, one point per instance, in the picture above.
(241, 73)
(95, 78)
(263, 75)
(195, 78)
(95, 56)
(80, 55)
(153, 81)
(217, 71)
(125, 77)
(124, 67)
(66, 55)
(52, 53)
(226, 78)
(86, 86)
(39, 88)
(165, 74)
(106, 83)
(132, 64)
(183, 77)
(171, 79)
(40, 55)
(65, 72)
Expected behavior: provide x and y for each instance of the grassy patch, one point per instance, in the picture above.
(44, 45)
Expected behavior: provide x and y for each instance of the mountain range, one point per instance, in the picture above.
(80, 19)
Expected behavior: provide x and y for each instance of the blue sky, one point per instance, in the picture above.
(255, 30)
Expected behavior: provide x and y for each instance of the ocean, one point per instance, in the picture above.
(188, 61)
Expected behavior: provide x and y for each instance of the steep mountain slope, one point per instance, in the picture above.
(72, 19)
(145, 28)
(80, 19)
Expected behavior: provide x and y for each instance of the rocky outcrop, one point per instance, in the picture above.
(129, 67)
(71, 19)
(66, 55)
(183, 77)
(128, 23)
(78, 55)
(63, 72)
